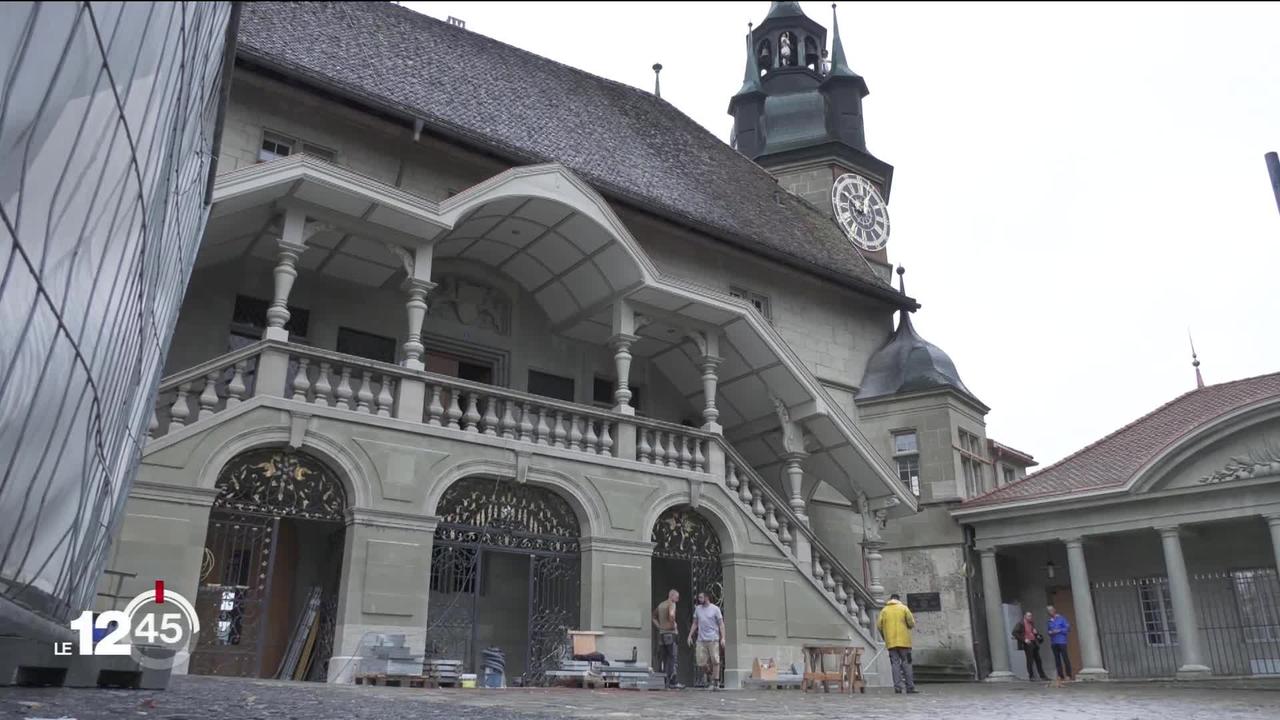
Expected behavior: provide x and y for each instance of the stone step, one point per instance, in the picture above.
(943, 673)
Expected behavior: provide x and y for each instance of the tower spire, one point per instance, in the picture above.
(1195, 362)
(751, 76)
(839, 65)
(657, 83)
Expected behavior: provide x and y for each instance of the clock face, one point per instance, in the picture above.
(861, 211)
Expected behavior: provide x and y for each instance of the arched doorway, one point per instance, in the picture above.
(686, 557)
(504, 573)
(272, 563)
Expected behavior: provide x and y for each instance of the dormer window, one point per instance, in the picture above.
(787, 50)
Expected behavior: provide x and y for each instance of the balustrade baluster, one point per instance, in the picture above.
(784, 534)
(236, 389)
(828, 582)
(153, 425)
(322, 387)
(731, 475)
(209, 396)
(575, 435)
(744, 492)
(364, 397)
(659, 452)
(758, 507)
(526, 425)
(557, 431)
(864, 619)
(301, 383)
(544, 432)
(841, 596)
(699, 460)
(508, 419)
(770, 519)
(686, 457)
(472, 418)
(606, 442)
(180, 410)
(435, 409)
(489, 423)
(644, 450)
(591, 439)
(454, 412)
(344, 389)
(385, 397)
(816, 568)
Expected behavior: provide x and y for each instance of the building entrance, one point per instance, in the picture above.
(686, 557)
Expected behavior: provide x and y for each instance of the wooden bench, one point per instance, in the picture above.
(848, 674)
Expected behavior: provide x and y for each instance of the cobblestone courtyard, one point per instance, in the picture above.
(203, 697)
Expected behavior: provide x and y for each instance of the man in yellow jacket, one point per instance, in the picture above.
(895, 625)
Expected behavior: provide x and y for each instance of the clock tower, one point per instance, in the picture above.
(799, 116)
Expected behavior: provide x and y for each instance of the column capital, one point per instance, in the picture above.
(623, 340)
(1273, 519)
(987, 551)
(418, 285)
(1168, 530)
(1073, 540)
(286, 248)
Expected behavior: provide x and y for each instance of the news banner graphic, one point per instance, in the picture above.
(145, 629)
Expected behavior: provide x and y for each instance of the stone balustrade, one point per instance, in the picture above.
(333, 380)
(839, 583)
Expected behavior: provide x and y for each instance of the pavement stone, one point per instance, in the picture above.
(200, 698)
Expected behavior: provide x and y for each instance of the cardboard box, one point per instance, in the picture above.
(764, 669)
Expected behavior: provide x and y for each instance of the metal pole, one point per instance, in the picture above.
(1273, 167)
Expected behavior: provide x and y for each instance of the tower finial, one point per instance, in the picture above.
(839, 65)
(657, 84)
(902, 287)
(1195, 361)
(750, 76)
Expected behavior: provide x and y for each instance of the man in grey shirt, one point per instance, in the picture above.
(708, 625)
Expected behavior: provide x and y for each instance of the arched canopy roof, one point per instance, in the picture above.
(558, 238)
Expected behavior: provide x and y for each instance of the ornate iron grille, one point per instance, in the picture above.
(234, 587)
(281, 483)
(683, 534)
(507, 515)
(479, 515)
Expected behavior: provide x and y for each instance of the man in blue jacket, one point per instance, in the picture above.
(1058, 629)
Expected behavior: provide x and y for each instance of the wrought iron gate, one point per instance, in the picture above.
(235, 583)
(480, 516)
(256, 490)
(682, 534)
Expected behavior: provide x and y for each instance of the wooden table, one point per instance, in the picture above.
(849, 674)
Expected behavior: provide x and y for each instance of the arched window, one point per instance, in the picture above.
(812, 59)
(764, 55)
(280, 482)
(788, 51)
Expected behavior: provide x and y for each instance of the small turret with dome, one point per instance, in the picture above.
(909, 363)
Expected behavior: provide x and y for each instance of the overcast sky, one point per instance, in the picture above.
(1075, 185)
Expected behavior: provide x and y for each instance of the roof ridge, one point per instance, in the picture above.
(1116, 432)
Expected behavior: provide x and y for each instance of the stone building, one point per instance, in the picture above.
(480, 348)
(1159, 542)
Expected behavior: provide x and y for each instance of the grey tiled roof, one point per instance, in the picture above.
(630, 145)
(1114, 460)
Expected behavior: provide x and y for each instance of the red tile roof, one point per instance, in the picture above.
(1113, 461)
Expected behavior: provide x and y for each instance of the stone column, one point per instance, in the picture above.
(1273, 521)
(386, 580)
(273, 365)
(621, 344)
(1190, 645)
(710, 414)
(874, 558)
(995, 618)
(795, 478)
(1086, 625)
(411, 394)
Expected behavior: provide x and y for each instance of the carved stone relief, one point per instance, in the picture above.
(1257, 463)
(471, 302)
